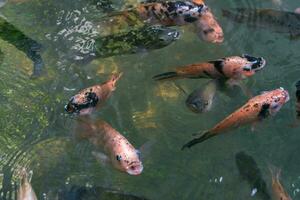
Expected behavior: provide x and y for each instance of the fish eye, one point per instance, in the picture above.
(206, 103)
(119, 158)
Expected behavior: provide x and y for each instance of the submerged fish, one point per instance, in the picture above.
(177, 13)
(25, 191)
(278, 191)
(135, 41)
(95, 193)
(91, 98)
(146, 38)
(249, 171)
(278, 21)
(168, 13)
(201, 99)
(257, 108)
(298, 99)
(117, 149)
(30, 47)
(235, 67)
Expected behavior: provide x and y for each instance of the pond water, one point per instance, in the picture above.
(36, 133)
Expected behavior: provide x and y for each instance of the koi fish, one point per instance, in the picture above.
(257, 108)
(145, 38)
(278, 191)
(22, 42)
(249, 171)
(201, 99)
(25, 191)
(90, 99)
(235, 67)
(208, 28)
(279, 21)
(117, 149)
(168, 13)
(76, 192)
(298, 99)
(180, 13)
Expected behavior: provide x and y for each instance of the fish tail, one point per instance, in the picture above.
(163, 76)
(206, 135)
(115, 77)
(275, 172)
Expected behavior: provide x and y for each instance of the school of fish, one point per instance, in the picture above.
(114, 149)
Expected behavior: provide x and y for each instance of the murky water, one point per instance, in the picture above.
(37, 133)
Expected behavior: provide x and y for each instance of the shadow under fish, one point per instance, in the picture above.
(95, 193)
(278, 21)
(30, 47)
(249, 171)
(134, 41)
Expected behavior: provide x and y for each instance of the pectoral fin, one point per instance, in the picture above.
(101, 157)
(145, 149)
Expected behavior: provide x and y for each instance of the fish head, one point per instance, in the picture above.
(278, 98)
(129, 162)
(159, 36)
(199, 105)
(208, 29)
(83, 103)
(252, 64)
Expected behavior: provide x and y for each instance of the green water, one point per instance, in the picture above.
(37, 134)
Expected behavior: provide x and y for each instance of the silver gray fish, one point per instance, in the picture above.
(278, 21)
(201, 99)
(250, 172)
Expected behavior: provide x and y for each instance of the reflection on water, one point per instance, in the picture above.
(38, 135)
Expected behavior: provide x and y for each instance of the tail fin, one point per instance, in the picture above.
(114, 78)
(206, 135)
(275, 173)
(167, 75)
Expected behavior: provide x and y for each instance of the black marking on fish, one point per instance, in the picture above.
(207, 31)
(190, 19)
(264, 112)
(206, 73)
(91, 101)
(166, 75)
(218, 64)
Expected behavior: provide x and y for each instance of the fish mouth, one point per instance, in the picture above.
(257, 63)
(135, 168)
(286, 96)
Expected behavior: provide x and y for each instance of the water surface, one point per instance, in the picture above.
(36, 133)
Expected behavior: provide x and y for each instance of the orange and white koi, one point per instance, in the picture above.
(279, 192)
(257, 108)
(89, 99)
(25, 191)
(117, 149)
(235, 67)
